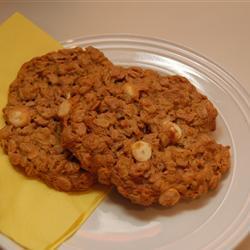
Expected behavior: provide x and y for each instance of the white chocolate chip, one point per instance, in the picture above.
(141, 151)
(174, 128)
(64, 108)
(169, 198)
(19, 116)
(129, 89)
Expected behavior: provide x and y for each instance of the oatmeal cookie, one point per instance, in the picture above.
(146, 134)
(148, 173)
(36, 101)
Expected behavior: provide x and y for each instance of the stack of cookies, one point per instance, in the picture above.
(73, 119)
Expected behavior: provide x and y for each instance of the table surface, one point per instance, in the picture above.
(219, 31)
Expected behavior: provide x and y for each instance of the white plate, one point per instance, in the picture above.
(217, 221)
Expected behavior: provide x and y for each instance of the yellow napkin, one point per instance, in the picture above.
(32, 214)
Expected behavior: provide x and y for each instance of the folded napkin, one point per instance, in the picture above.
(32, 214)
